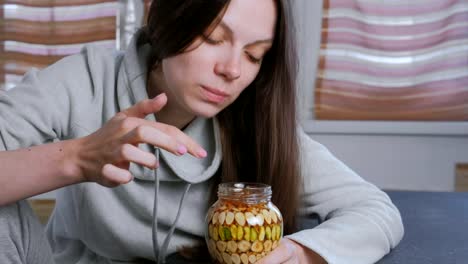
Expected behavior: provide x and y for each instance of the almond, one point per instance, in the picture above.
(267, 245)
(222, 217)
(244, 246)
(221, 246)
(215, 218)
(273, 215)
(257, 246)
(275, 245)
(250, 219)
(252, 259)
(260, 219)
(235, 259)
(219, 257)
(266, 216)
(232, 246)
(244, 258)
(229, 218)
(227, 258)
(240, 219)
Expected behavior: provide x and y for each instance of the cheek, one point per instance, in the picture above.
(250, 73)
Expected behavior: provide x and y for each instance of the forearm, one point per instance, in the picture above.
(34, 170)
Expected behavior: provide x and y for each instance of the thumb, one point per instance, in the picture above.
(146, 107)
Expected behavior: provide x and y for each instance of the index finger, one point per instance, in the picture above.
(146, 107)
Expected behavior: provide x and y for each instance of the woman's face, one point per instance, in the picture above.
(218, 67)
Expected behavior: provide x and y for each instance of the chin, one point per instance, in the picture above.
(206, 110)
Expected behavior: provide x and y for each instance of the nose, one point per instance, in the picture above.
(229, 67)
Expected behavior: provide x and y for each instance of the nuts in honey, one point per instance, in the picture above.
(243, 225)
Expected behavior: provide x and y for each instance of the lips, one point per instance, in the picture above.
(214, 95)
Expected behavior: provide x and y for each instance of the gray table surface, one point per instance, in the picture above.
(436, 229)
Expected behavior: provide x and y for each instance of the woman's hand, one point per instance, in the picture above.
(290, 252)
(104, 156)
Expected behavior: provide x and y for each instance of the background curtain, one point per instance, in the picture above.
(36, 33)
(393, 60)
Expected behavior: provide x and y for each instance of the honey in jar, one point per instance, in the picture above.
(243, 225)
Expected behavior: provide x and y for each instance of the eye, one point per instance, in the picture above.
(253, 58)
(212, 41)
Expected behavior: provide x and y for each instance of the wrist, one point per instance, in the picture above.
(71, 165)
(307, 255)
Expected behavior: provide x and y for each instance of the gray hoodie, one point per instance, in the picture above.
(95, 224)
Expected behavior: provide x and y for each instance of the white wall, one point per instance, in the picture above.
(401, 162)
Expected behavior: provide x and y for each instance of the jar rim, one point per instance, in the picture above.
(247, 191)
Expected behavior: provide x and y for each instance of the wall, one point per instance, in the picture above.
(393, 155)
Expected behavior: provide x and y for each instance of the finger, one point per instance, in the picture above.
(146, 107)
(192, 146)
(114, 176)
(281, 254)
(155, 137)
(133, 154)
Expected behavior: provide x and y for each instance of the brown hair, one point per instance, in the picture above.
(258, 130)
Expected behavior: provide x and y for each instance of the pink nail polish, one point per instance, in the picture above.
(182, 149)
(202, 153)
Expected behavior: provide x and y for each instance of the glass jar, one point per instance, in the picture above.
(243, 225)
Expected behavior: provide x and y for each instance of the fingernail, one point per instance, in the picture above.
(182, 149)
(159, 95)
(202, 153)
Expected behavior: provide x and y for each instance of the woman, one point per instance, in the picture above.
(220, 76)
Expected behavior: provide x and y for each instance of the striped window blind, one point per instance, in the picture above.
(393, 60)
(36, 33)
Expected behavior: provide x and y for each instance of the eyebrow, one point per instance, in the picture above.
(230, 32)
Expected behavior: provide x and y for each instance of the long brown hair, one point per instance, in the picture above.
(258, 130)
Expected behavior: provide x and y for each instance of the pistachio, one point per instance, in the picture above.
(229, 218)
(221, 246)
(221, 233)
(247, 233)
(221, 218)
(235, 259)
(215, 233)
(261, 234)
(244, 258)
(232, 246)
(244, 246)
(240, 218)
(273, 232)
(234, 232)
(253, 234)
(268, 232)
(227, 233)
(278, 232)
(210, 231)
(257, 246)
(240, 232)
